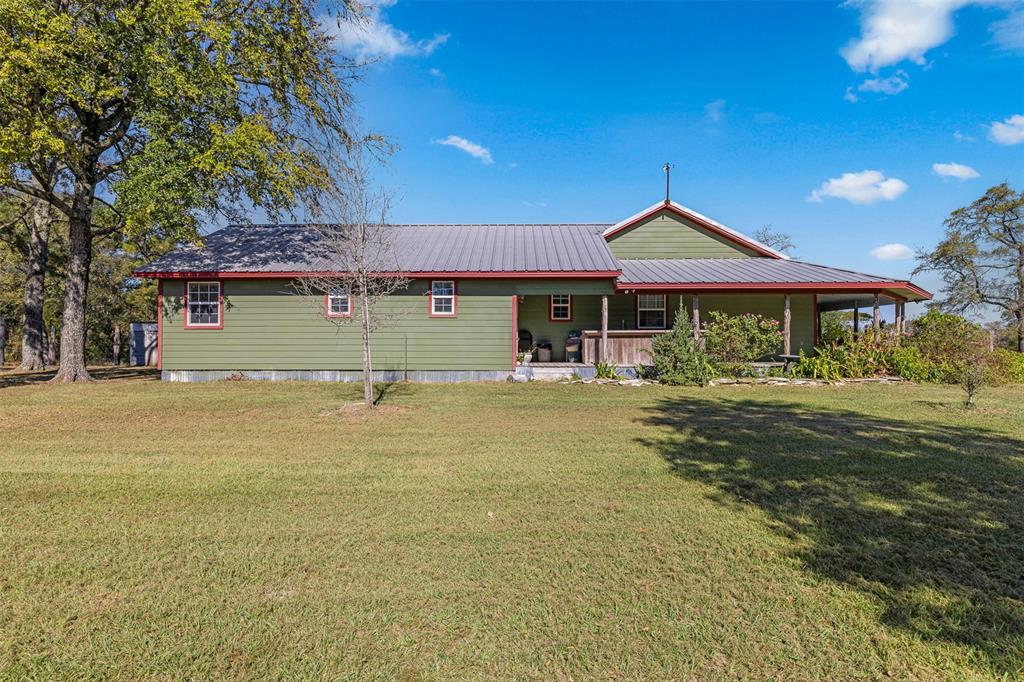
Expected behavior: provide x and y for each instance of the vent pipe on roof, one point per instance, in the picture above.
(668, 177)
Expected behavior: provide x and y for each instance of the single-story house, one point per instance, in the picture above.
(480, 294)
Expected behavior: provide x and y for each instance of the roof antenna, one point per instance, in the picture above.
(668, 177)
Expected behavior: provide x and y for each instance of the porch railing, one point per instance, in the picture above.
(625, 347)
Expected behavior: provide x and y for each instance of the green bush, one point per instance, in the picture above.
(833, 328)
(606, 370)
(1008, 366)
(735, 339)
(677, 358)
(909, 363)
(944, 338)
(865, 357)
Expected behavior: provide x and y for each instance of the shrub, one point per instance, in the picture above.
(944, 338)
(605, 370)
(909, 363)
(734, 340)
(646, 372)
(1008, 365)
(833, 328)
(860, 358)
(678, 358)
(824, 365)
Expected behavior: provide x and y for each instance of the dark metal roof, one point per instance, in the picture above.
(417, 248)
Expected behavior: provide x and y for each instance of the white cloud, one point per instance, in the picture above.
(472, 148)
(850, 96)
(436, 73)
(893, 85)
(714, 111)
(865, 187)
(374, 38)
(1008, 33)
(960, 137)
(955, 170)
(1010, 131)
(894, 30)
(893, 252)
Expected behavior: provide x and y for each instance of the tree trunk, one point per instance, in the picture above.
(3, 341)
(50, 342)
(117, 344)
(364, 310)
(76, 288)
(32, 350)
(1020, 331)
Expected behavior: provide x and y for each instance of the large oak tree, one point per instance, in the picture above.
(981, 258)
(168, 112)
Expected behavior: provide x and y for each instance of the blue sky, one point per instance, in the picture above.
(771, 112)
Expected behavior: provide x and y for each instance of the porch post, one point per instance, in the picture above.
(604, 329)
(899, 320)
(787, 345)
(876, 322)
(696, 316)
(856, 320)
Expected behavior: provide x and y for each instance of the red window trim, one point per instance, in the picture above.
(664, 309)
(551, 309)
(220, 304)
(455, 299)
(327, 307)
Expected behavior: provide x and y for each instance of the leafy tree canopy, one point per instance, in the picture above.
(170, 109)
(981, 258)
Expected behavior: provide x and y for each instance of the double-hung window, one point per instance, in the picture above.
(442, 298)
(203, 305)
(561, 308)
(650, 311)
(339, 303)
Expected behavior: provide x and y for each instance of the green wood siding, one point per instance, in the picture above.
(268, 326)
(666, 235)
(533, 314)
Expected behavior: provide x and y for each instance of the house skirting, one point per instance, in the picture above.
(424, 376)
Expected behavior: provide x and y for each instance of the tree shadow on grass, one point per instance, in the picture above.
(928, 518)
(124, 373)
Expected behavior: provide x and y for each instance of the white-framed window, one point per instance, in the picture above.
(442, 298)
(650, 311)
(561, 308)
(203, 305)
(339, 304)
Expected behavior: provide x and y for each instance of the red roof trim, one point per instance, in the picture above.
(654, 210)
(865, 287)
(533, 274)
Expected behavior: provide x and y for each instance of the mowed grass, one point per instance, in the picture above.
(240, 530)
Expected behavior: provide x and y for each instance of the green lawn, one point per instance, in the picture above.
(240, 529)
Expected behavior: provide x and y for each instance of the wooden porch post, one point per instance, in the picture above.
(787, 345)
(856, 320)
(604, 329)
(696, 316)
(899, 321)
(876, 322)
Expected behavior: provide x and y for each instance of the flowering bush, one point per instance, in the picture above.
(732, 340)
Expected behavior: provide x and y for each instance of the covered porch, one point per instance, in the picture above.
(619, 329)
